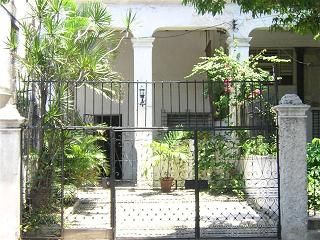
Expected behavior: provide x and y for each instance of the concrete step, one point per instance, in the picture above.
(87, 234)
(314, 223)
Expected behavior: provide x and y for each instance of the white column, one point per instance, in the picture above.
(10, 161)
(142, 49)
(140, 153)
(239, 47)
(292, 120)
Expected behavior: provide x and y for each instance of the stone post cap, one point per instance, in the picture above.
(5, 95)
(291, 105)
(10, 117)
(292, 99)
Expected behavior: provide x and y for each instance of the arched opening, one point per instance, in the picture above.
(180, 100)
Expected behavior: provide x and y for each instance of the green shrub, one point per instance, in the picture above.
(69, 194)
(313, 161)
(217, 162)
(232, 82)
(33, 220)
(85, 159)
(259, 146)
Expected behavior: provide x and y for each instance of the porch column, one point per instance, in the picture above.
(142, 112)
(142, 49)
(239, 47)
(292, 120)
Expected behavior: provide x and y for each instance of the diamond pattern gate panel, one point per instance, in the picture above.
(151, 200)
(87, 211)
(240, 199)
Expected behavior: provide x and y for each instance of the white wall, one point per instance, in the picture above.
(173, 60)
(5, 59)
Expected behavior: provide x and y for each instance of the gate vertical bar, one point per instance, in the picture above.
(278, 176)
(22, 189)
(196, 175)
(62, 182)
(112, 184)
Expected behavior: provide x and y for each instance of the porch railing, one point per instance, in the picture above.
(130, 104)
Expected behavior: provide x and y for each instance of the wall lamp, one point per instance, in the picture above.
(142, 92)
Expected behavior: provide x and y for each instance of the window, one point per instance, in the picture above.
(283, 70)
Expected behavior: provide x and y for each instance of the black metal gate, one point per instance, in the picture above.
(217, 190)
(208, 178)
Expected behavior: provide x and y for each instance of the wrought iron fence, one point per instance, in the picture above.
(225, 184)
(90, 162)
(192, 104)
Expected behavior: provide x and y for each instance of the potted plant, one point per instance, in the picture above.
(170, 152)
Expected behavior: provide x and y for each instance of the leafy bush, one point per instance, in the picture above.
(313, 161)
(217, 160)
(258, 146)
(33, 220)
(85, 159)
(233, 82)
(69, 194)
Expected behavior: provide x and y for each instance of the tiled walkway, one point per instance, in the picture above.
(148, 213)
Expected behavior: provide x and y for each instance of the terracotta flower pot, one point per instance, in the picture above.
(166, 184)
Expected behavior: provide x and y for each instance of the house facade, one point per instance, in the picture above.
(166, 40)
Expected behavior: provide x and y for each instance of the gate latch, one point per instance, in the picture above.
(196, 184)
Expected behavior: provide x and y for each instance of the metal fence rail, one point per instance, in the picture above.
(192, 104)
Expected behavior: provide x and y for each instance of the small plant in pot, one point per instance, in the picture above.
(170, 155)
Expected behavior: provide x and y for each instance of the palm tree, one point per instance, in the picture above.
(67, 46)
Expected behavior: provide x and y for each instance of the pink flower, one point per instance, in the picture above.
(255, 93)
(227, 85)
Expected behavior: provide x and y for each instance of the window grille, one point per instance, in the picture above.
(188, 119)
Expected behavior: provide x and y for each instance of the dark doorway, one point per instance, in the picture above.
(115, 121)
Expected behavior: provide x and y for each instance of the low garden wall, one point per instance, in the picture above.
(261, 181)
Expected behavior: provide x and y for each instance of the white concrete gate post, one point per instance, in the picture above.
(10, 132)
(292, 120)
(10, 162)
